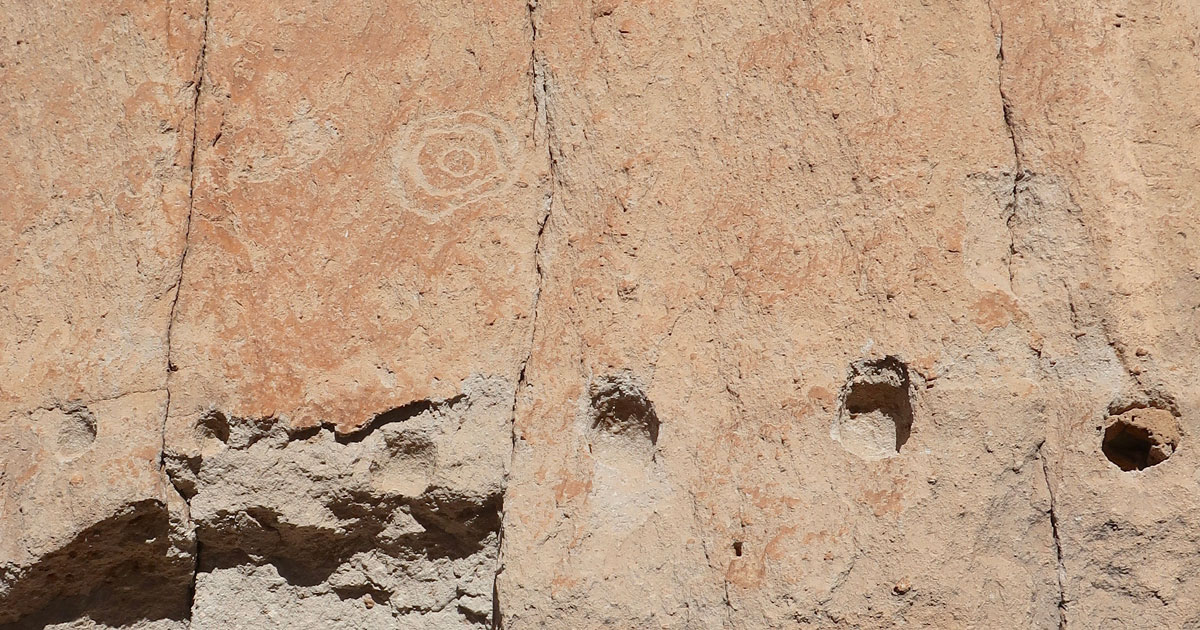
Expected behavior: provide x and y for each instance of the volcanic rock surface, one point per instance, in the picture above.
(552, 314)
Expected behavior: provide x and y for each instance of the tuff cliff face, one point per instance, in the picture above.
(828, 314)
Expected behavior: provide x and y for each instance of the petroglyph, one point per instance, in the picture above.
(447, 161)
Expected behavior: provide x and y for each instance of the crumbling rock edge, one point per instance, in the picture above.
(400, 520)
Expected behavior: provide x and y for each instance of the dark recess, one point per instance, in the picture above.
(1130, 447)
(882, 385)
(620, 407)
(117, 572)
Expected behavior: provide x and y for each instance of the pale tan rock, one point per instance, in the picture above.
(792, 191)
(1099, 107)
(91, 525)
(95, 145)
(590, 315)
(788, 196)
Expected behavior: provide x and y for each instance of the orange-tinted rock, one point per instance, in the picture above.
(621, 314)
(368, 194)
(95, 145)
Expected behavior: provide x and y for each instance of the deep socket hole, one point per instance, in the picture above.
(621, 408)
(1140, 438)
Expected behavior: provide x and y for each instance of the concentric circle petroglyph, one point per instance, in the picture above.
(448, 161)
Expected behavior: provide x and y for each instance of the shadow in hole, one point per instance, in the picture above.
(620, 407)
(116, 573)
(305, 556)
(882, 385)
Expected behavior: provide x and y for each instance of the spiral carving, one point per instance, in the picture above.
(448, 161)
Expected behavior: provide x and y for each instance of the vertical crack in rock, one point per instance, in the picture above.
(1006, 107)
(541, 128)
(1061, 569)
(198, 82)
(191, 590)
(1008, 222)
(1020, 185)
(542, 122)
(97, 540)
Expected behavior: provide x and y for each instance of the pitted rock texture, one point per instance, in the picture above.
(552, 314)
(398, 525)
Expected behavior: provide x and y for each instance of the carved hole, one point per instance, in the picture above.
(876, 415)
(620, 408)
(213, 432)
(1140, 438)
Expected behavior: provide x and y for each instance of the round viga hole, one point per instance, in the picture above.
(620, 408)
(1140, 438)
(875, 416)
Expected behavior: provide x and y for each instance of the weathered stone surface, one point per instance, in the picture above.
(1108, 213)
(91, 525)
(781, 196)
(96, 140)
(356, 314)
(95, 148)
(366, 207)
(314, 525)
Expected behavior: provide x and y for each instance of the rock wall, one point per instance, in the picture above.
(609, 314)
